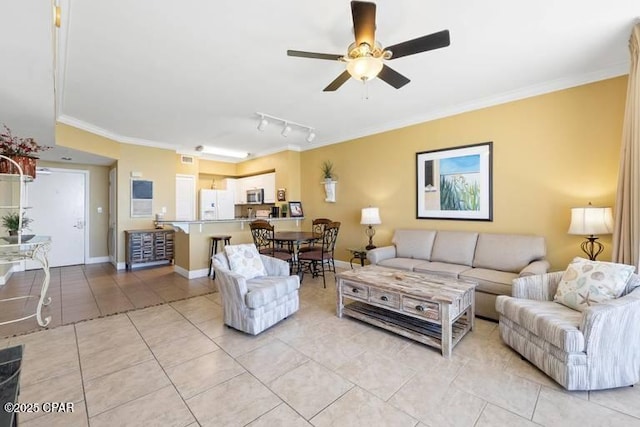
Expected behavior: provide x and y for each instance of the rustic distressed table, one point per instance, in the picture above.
(434, 310)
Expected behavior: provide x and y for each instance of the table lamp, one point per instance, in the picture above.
(370, 216)
(591, 221)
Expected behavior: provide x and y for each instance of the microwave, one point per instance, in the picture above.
(255, 197)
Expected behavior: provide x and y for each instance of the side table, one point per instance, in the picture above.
(357, 253)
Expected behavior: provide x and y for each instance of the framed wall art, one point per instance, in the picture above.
(455, 183)
(295, 209)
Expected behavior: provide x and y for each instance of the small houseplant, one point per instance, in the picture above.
(329, 175)
(11, 222)
(20, 150)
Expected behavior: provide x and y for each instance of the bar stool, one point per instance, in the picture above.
(214, 250)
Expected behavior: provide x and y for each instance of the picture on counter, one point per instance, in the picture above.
(282, 194)
(295, 209)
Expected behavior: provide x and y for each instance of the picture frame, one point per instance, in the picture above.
(141, 198)
(295, 210)
(455, 183)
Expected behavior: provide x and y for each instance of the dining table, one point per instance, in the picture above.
(293, 239)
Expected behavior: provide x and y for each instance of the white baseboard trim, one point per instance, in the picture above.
(191, 274)
(120, 265)
(97, 260)
(4, 278)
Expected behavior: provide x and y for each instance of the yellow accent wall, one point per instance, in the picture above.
(71, 137)
(550, 153)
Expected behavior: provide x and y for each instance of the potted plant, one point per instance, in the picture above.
(11, 222)
(21, 151)
(329, 176)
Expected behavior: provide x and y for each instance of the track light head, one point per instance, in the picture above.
(286, 130)
(311, 136)
(263, 124)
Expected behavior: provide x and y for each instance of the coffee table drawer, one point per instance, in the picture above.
(355, 290)
(427, 309)
(388, 299)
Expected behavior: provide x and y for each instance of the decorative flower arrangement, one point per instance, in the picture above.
(11, 222)
(15, 146)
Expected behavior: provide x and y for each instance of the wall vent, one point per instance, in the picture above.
(189, 160)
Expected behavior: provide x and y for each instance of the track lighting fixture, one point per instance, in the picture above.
(287, 126)
(263, 124)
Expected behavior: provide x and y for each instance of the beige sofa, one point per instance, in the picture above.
(491, 260)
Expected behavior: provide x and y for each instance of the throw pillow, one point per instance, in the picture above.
(586, 283)
(245, 260)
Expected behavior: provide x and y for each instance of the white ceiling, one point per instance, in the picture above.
(181, 74)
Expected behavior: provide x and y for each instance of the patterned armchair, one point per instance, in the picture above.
(598, 348)
(253, 305)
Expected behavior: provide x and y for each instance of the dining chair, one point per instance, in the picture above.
(321, 259)
(262, 233)
(317, 227)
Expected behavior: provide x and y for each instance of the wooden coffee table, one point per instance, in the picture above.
(434, 310)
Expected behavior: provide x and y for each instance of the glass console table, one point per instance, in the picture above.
(35, 249)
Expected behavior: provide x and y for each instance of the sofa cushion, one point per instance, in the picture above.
(441, 268)
(414, 243)
(454, 247)
(401, 263)
(245, 260)
(508, 252)
(586, 283)
(490, 281)
(552, 322)
(267, 289)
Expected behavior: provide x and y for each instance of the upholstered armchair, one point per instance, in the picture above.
(253, 305)
(597, 348)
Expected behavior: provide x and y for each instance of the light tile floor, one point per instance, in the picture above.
(178, 365)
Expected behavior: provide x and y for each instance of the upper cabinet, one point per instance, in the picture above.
(265, 181)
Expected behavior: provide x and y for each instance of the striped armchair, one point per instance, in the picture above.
(598, 348)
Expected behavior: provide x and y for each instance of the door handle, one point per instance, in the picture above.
(79, 225)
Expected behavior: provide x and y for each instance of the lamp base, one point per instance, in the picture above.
(370, 246)
(370, 232)
(591, 247)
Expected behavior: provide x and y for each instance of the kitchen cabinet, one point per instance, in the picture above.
(268, 181)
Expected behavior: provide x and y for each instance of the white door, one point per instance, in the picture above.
(112, 241)
(57, 202)
(185, 197)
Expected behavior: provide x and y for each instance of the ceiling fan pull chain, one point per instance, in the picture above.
(365, 90)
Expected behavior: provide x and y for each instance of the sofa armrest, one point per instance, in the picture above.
(535, 268)
(541, 287)
(611, 329)
(275, 266)
(230, 284)
(380, 254)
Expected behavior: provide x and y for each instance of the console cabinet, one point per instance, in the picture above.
(143, 246)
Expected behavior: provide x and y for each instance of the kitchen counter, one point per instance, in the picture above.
(186, 225)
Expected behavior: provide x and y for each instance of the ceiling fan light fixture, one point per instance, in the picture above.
(364, 67)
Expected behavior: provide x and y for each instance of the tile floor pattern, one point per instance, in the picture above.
(177, 365)
(91, 291)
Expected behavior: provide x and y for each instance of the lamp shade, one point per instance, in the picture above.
(364, 67)
(370, 216)
(591, 220)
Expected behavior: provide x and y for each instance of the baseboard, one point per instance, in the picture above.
(191, 274)
(97, 260)
(6, 275)
(121, 265)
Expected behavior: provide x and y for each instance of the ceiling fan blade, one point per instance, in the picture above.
(339, 81)
(393, 77)
(421, 44)
(314, 55)
(364, 22)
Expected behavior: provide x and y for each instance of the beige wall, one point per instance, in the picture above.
(98, 197)
(71, 137)
(550, 153)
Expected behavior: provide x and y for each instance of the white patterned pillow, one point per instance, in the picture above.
(586, 283)
(245, 260)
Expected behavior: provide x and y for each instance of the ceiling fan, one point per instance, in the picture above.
(365, 57)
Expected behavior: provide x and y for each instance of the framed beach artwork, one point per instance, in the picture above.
(455, 183)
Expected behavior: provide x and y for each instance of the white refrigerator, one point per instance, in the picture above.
(216, 204)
